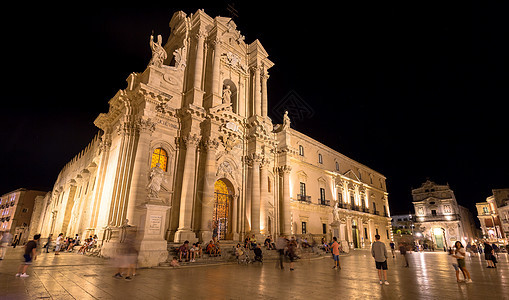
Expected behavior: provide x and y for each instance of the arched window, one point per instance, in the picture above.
(337, 166)
(320, 159)
(159, 156)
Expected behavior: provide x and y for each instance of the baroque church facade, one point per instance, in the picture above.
(187, 150)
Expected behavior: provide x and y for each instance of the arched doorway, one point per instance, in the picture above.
(222, 213)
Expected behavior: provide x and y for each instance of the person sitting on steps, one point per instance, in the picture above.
(184, 251)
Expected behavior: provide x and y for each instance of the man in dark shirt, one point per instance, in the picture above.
(258, 253)
(29, 255)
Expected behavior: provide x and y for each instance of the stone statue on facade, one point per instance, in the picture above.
(156, 177)
(286, 121)
(158, 52)
(335, 211)
(227, 94)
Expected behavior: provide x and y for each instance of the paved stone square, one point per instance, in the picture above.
(430, 276)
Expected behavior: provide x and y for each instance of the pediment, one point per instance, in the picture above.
(351, 174)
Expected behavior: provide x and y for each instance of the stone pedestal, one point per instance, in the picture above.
(152, 245)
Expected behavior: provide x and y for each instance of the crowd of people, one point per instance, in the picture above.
(287, 248)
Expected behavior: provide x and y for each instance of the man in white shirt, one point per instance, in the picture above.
(59, 242)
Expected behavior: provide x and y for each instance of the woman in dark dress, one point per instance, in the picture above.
(488, 254)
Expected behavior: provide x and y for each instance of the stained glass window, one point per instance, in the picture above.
(159, 156)
(221, 208)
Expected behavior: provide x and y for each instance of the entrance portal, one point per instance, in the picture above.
(439, 237)
(221, 219)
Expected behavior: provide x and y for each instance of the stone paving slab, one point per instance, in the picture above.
(430, 276)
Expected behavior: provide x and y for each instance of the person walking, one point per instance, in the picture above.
(488, 255)
(379, 253)
(460, 254)
(292, 252)
(392, 248)
(29, 255)
(48, 243)
(280, 247)
(59, 243)
(4, 243)
(402, 251)
(335, 253)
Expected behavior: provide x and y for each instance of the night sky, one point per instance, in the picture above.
(411, 90)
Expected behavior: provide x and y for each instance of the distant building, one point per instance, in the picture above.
(403, 224)
(16, 209)
(493, 215)
(439, 217)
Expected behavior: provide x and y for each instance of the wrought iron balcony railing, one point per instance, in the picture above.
(304, 198)
(324, 202)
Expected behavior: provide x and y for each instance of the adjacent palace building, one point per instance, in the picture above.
(187, 150)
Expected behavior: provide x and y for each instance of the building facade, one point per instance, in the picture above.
(493, 215)
(187, 149)
(16, 209)
(439, 217)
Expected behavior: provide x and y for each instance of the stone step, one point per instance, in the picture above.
(228, 256)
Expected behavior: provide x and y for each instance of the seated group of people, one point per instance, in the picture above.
(190, 253)
(251, 243)
(89, 244)
(213, 248)
(242, 252)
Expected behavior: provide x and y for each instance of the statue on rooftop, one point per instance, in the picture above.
(158, 52)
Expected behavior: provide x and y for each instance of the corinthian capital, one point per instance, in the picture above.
(284, 169)
(145, 125)
(210, 144)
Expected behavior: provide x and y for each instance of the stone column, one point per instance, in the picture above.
(99, 183)
(187, 195)
(360, 227)
(263, 195)
(216, 63)
(286, 226)
(264, 103)
(138, 192)
(255, 193)
(123, 176)
(194, 94)
(257, 93)
(207, 204)
(198, 64)
(349, 231)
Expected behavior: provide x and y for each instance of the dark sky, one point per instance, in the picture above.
(413, 90)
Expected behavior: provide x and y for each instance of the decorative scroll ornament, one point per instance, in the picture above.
(234, 61)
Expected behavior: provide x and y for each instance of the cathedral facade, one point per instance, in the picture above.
(187, 150)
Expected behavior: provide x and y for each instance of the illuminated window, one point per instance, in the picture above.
(159, 156)
(301, 150)
(221, 213)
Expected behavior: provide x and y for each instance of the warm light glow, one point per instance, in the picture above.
(159, 156)
(437, 231)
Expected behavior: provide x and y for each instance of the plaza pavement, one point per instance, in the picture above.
(430, 276)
